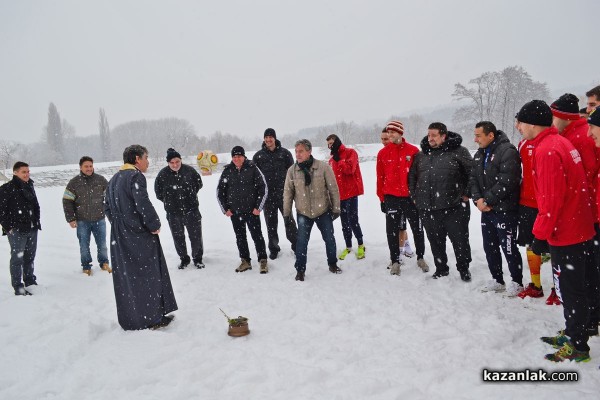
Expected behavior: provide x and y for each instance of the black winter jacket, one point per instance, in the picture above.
(178, 190)
(274, 165)
(439, 177)
(243, 190)
(83, 199)
(500, 182)
(19, 207)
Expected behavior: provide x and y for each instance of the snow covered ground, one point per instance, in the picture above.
(363, 334)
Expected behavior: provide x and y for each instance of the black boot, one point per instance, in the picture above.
(185, 261)
(300, 276)
(334, 269)
(465, 275)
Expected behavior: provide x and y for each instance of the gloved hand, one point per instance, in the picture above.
(383, 207)
(336, 156)
(334, 216)
(539, 247)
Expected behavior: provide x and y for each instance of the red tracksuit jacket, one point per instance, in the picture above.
(393, 164)
(561, 189)
(347, 173)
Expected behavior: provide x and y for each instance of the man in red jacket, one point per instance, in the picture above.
(344, 163)
(393, 163)
(564, 221)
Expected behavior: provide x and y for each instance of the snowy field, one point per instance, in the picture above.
(363, 334)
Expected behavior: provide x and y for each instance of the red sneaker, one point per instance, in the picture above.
(553, 299)
(531, 291)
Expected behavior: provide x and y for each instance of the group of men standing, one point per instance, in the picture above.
(542, 195)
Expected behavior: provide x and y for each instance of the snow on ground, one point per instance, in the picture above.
(363, 334)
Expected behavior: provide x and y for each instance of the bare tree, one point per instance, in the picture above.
(7, 154)
(496, 97)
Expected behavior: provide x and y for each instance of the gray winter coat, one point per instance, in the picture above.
(320, 196)
(141, 280)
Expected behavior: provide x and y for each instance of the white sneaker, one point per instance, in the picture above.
(513, 288)
(408, 252)
(395, 269)
(493, 286)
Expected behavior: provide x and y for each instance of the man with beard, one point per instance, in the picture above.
(438, 182)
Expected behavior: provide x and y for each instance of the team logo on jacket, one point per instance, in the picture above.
(576, 157)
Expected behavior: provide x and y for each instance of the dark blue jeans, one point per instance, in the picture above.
(349, 217)
(22, 253)
(325, 224)
(499, 231)
(84, 231)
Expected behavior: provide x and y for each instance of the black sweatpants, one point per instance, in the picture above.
(454, 224)
(239, 222)
(569, 264)
(191, 221)
(398, 210)
(271, 211)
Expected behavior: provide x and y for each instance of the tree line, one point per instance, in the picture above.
(494, 96)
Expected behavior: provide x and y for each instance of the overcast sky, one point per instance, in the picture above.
(243, 66)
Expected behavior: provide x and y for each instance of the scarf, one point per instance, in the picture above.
(305, 167)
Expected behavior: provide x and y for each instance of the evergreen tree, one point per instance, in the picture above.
(54, 133)
(104, 135)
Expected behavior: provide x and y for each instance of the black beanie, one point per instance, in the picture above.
(171, 154)
(594, 118)
(270, 132)
(566, 107)
(238, 151)
(536, 112)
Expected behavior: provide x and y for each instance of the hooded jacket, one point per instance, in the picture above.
(347, 173)
(498, 182)
(274, 165)
(565, 212)
(439, 176)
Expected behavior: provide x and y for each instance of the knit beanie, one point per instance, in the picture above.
(594, 118)
(270, 132)
(536, 112)
(238, 151)
(566, 107)
(171, 154)
(395, 126)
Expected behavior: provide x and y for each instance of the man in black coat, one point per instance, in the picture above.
(438, 181)
(274, 161)
(177, 186)
(242, 193)
(143, 290)
(495, 187)
(20, 220)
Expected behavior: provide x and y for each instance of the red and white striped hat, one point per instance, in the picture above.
(395, 126)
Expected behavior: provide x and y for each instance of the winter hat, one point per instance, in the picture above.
(566, 107)
(270, 132)
(395, 126)
(238, 151)
(171, 154)
(536, 112)
(594, 118)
